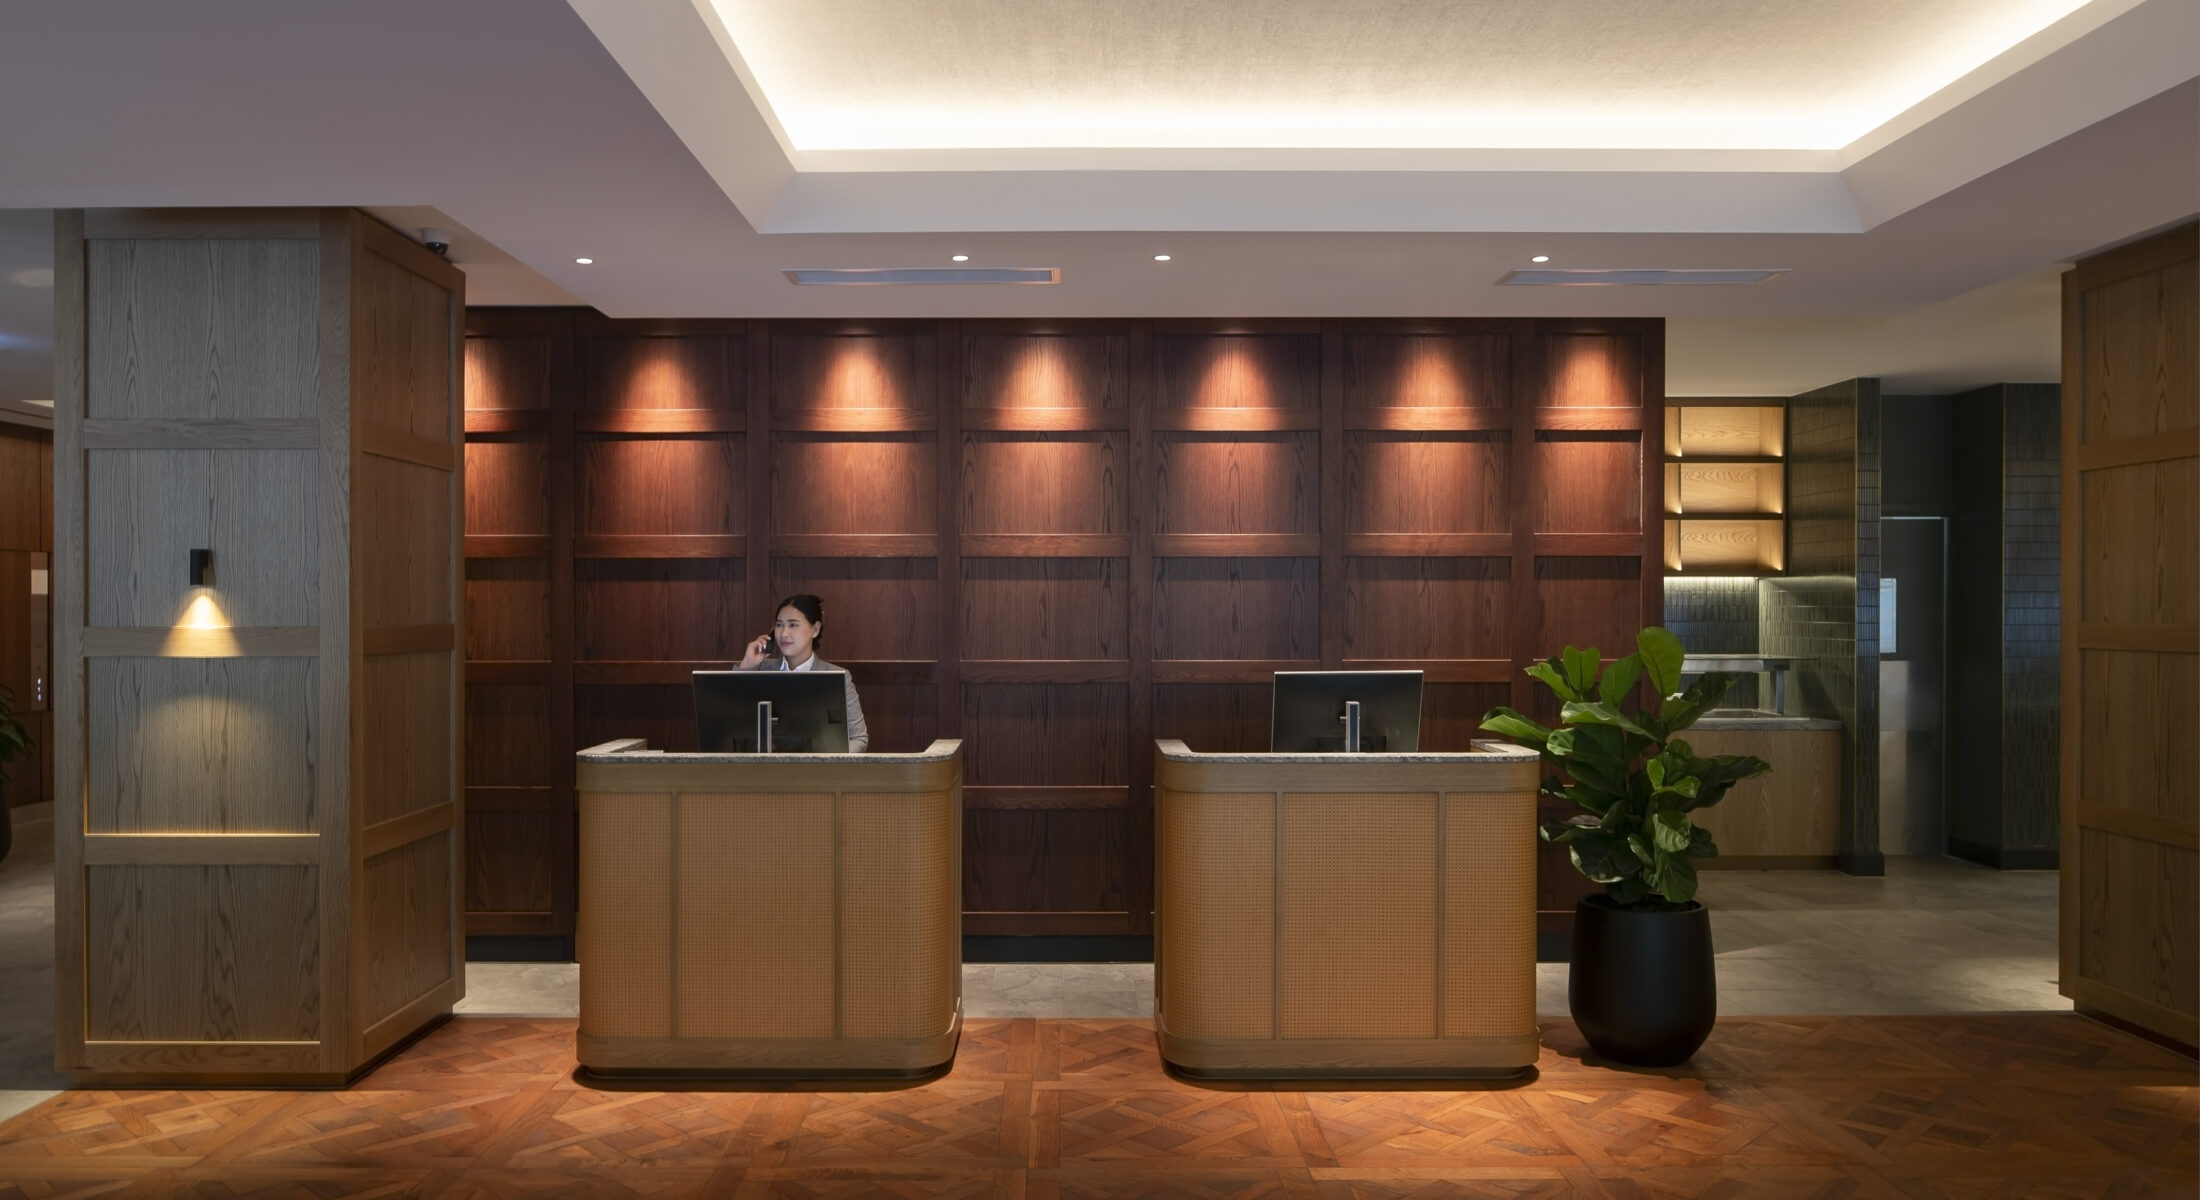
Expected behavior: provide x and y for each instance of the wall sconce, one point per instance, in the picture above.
(202, 568)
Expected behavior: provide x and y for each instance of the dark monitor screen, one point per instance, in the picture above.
(809, 711)
(1310, 710)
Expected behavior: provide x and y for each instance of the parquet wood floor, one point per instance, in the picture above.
(1921, 1108)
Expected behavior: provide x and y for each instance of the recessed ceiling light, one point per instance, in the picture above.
(584, 261)
(959, 257)
(1161, 258)
(1541, 258)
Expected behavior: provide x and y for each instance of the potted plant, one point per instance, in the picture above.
(15, 742)
(1642, 985)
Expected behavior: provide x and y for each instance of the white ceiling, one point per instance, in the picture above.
(625, 131)
(890, 74)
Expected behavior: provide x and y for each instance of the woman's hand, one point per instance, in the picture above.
(754, 652)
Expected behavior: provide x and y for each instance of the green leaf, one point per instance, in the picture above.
(1673, 876)
(1599, 713)
(1655, 769)
(1716, 774)
(1628, 892)
(1517, 726)
(1619, 679)
(1661, 656)
(1671, 831)
(1700, 844)
(1553, 680)
(1581, 668)
(1601, 862)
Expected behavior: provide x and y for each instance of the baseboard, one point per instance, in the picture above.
(991, 948)
(1872, 864)
(2141, 1032)
(2006, 858)
(519, 948)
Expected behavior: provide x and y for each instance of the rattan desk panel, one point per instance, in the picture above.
(769, 914)
(1345, 915)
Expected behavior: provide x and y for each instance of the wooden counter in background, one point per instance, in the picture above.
(1788, 818)
(1345, 914)
(787, 914)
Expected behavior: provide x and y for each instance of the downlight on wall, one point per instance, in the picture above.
(1637, 276)
(887, 276)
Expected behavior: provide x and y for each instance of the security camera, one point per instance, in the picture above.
(438, 242)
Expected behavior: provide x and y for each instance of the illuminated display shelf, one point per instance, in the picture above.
(1725, 486)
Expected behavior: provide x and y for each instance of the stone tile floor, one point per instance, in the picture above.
(1932, 936)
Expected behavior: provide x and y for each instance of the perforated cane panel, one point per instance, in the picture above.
(755, 893)
(1359, 916)
(625, 930)
(1216, 902)
(899, 890)
(1489, 915)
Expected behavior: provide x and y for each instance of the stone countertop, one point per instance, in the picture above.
(636, 750)
(1770, 722)
(1485, 751)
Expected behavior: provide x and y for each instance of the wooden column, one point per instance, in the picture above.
(2130, 633)
(258, 813)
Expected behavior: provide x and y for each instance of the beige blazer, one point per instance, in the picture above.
(859, 734)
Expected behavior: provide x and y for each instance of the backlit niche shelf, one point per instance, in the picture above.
(1725, 487)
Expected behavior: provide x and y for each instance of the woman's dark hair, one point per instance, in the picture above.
(811, 608)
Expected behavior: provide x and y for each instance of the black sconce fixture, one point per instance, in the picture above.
(202, 568)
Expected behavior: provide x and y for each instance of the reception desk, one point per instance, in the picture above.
(769, 914)
(1335, 914)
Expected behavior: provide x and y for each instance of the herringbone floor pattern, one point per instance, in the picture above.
(1921, 1108)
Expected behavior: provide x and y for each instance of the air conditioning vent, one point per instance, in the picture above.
(1634, 277)
(881, 276)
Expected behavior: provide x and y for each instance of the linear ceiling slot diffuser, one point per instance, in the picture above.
(1636, 276)
(876, 276)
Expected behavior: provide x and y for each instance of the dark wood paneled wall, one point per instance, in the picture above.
(1056, 541)
(26, 544)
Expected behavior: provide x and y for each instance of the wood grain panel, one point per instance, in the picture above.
(508, 609)
(172, 321)
(203, 954)
(401, 353)
(1427, 370)
(1588, 483)
(407, 918)
(662, 713)
(904, 718)
(1215, 718)
(1757, 432)
(1451, 714)
(404, 713)
(1587, 602)
(1236, 483)
(147, 509)
(2135, 918)
(1426, 483)
(508, 859)
(1723, 487)
(874, 607)
(1046, 370)
(507, 489)
(1738, 547)
(2129, 330)
(1045, 734)
(401, 539)
(1237, 370)
(685, 372)
(201, 745)
(813, 372)
(658, 485)
(1592, 370)
(507, 373)
(508, 735)
(1046, 860)
(1044, 483)
(678, 609)
(1044, 608)
(1422, 608)
(854, 483)
(2142, 564)
(1223, 608)
(2137, 761)
(1794, 812)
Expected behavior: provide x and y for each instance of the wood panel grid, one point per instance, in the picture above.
(1052, 539)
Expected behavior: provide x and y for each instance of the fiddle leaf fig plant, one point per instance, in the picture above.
(1633, 779)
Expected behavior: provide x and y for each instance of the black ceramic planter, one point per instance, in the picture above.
(1642, 988)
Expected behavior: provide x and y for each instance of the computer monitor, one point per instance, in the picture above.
(797, 712)
(1324, 710)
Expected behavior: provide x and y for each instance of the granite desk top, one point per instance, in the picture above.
(636, 750)
(1485, 751)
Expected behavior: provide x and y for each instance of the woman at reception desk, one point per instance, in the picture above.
(1365, 913)
(792, 646)
(793, 914)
